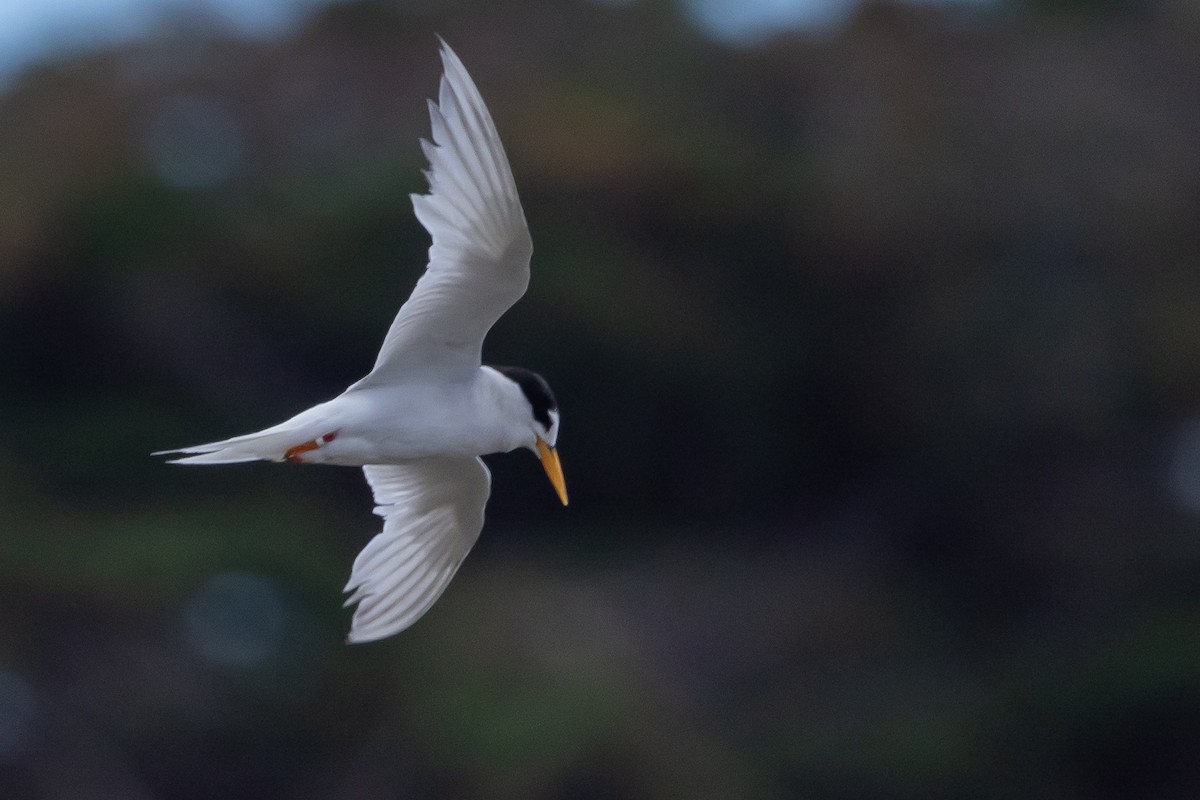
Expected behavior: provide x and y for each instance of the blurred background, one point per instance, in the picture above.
(876, 331)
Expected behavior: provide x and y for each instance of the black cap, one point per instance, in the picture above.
(536, 391)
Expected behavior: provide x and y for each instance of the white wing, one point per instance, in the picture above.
(479, 260)
(433, 512)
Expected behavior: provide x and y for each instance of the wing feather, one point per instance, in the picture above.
(433, 512)
(479, 256)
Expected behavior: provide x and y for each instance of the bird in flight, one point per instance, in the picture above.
(429, 408)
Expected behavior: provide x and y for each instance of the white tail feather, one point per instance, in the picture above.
(221, 457)
(268, 445)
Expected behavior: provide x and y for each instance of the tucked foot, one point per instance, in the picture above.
(293, 454)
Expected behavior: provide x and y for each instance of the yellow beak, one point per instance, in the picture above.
(549, 457)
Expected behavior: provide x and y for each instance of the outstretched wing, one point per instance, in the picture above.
(479, 259)
(433, 511)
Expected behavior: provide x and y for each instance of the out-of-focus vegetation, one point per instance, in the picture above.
(879, 360)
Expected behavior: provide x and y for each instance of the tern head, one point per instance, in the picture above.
(539, 410)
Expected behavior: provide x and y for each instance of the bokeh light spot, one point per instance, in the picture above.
(194, 142)
(236, 619)
(731, 20)
(18, 712)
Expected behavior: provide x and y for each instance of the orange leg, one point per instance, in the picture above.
(292, 454)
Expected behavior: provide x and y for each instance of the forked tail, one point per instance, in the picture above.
(268, 445)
